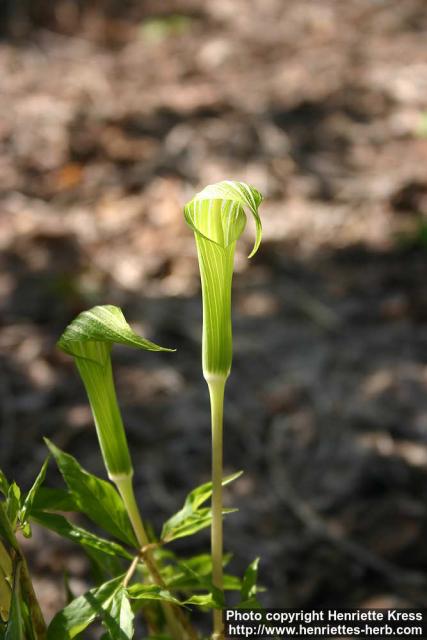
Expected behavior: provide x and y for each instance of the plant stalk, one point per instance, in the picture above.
(176, 621)
(216, 384)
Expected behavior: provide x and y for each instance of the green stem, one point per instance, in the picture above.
(216, 384)
(125, 486)
(172, 614)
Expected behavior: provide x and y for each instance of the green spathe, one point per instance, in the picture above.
(89, 339)
(217, 217)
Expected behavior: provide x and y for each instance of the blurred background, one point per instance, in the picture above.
(112, 115)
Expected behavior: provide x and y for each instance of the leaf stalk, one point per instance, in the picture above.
(179, 626)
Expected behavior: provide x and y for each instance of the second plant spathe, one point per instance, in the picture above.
(217, 216)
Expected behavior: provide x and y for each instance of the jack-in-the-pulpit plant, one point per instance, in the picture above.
(135, 572)
(89, 339)
(217, 217)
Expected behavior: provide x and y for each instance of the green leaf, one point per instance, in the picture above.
(202, 600)
(231, 583)
(25, 511)
(4, 484)
(189, 574)
(48, 499)
(142, 592)
(217, 217)
(191, 518)
(95, 497)
(66, 529)
(249, 586)
(82, 611)
(195, 573)
(201, 494)
(13, 503)
(193, 524)
(119, 618)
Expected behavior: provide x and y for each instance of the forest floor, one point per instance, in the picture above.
(103, 137)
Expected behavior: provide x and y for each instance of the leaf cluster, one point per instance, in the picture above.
(114, 600)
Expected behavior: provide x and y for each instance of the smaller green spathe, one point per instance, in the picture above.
(217, 217)
(89, 339)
